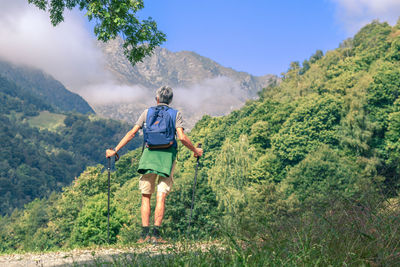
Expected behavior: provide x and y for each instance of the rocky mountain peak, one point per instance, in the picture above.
(203, 80)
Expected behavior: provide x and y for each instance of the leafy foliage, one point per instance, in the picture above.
(311, 123)
(91, 224)
(324, 172)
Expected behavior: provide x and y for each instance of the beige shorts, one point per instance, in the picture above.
(147, 182)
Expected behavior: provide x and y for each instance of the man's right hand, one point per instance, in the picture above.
(110, 153)
(198, 152)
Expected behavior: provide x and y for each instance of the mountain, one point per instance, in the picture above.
(180, 69)
(45, 87)
(201, 85)
(14, 98)
(44, 150)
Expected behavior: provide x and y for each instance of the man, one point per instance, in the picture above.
(157, 165)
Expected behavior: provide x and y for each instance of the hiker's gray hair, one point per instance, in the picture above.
(164, 94)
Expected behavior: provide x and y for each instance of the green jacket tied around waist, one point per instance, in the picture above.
(158, 161)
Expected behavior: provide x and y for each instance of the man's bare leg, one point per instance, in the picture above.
(145, 209)
(160, 208)
(158, 218)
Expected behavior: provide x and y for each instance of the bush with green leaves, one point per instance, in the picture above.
(91, 224)
(324, 172)
(313, 122)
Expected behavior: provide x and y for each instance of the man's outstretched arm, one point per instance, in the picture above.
(198, 152)
(128, 137)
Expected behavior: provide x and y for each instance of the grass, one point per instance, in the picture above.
(341, 233)
(347, 233)
(184, 258)
(47, 120)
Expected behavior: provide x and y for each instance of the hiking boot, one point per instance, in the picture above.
(144, 240)
(158, 240)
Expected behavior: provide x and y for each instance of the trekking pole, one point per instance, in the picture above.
(194, 188)
(108, 199)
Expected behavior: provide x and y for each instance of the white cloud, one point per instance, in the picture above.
(68, 51)
(111, 93)
(354, 14)
(216, 96)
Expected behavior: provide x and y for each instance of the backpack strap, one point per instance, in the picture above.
(146, 113)
(173, 113)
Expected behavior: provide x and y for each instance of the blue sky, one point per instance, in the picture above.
(261, 36)
(258, 37)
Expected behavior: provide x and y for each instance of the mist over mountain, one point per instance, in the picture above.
(201, 86)
(44, 86)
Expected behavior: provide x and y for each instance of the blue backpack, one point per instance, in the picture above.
(159, 128)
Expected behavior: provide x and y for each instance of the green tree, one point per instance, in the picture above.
(316, 56)
(231, 172)
(113, 18)
(260, 135)
(392, 148)
(381, 95)
(268, 167)
(313, 122)
(91, 224)
(356, 133)
(394, 51)
(370, 43)
(324, 173)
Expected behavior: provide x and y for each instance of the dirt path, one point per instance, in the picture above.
(95, 257)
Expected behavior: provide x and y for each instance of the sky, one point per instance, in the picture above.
(264, 36)
(258, 36)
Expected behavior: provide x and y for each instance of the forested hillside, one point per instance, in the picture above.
(45, 87)
(37, 161)
(307, 173)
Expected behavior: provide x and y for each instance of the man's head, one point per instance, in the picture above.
(164, 95)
